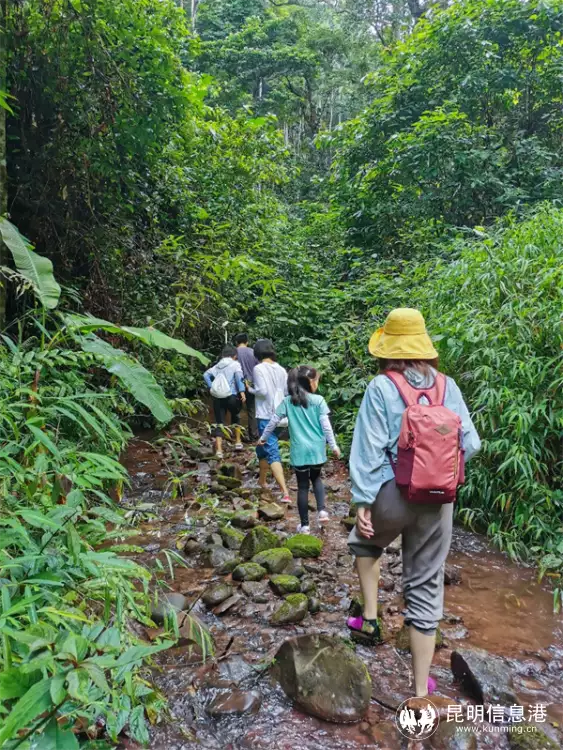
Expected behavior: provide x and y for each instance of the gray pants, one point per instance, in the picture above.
(427, 533)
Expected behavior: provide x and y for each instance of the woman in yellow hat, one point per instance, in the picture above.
(406, 355)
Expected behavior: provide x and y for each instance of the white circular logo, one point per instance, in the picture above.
(417, 723)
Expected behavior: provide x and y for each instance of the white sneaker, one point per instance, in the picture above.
(219, 455)
(303, 529)
(239, 447)
(323, 516)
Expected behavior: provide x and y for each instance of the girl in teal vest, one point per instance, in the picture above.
(310, 430)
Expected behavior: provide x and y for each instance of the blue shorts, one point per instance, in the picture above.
(270, 451)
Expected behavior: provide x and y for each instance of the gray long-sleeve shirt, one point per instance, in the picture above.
(377, 431)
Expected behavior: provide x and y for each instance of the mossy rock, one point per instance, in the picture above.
(249, 572)
(349, 522)
(530, 739)
(230, 470)
(258, 539)
(304, 545)
(228, 566)
(232, 538)
(244, 519)
(294, 609)
(274, 560)
(283, 585)
(308, 586)
(231, 483)
(402, 639)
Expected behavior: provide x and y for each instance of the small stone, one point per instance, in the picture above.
(274, 560)
(152, 547)
(452, 576)
(349, 523)
(231, 538)
(294, 609)
(216, 556)
(314, 605)
(345, 561)
(256, 590)
(308, 586)
(258, 539)
(171, 602)
(295, 569)
(304, 545)
(214, 539)
(283, 585)
(192, 547)
(217, 489)
(271, 512)
(244, 519)
(228, 604)
(234, 703)
(249, 572)
(217, 594)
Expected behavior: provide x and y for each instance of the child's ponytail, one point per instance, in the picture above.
(299, 384)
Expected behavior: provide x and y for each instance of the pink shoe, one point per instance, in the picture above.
(432, 685)
(285, 499)
(364, 631)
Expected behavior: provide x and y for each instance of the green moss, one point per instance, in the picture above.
(293, 609)
(249, 572)
(274, 560)
(285, 585)
(258, 539)
(304, 545)
(530, 740)
(232, 538)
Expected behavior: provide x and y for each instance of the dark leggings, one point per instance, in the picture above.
(232, 405)
(306, 474)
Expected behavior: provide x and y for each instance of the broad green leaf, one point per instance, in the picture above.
(58, 689)
(14, 683)
(55, 738)
(33, 267)
(138, 726)
(138, 381)
(44, 439)
(29, 707)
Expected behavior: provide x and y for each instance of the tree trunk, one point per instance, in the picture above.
(3, 149)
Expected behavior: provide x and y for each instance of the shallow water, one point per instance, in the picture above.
(498, 606)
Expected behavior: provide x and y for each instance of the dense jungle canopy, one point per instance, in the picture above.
(295, 169)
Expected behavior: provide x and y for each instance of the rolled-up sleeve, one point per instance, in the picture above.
(369, 446)
(455, 402)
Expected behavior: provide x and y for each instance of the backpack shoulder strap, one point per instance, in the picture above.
(409, 394)
(439, 388)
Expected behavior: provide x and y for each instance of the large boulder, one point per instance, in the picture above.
(304, 545)
(244, 519)
(294, 609)
(283, 585)
(271, 512)
(217, 594)
(258, 539)
(249, 572)
(216, 556)
(324, 677)
(274, 560)
(483, 676)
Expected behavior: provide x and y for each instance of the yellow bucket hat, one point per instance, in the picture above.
(403, 336)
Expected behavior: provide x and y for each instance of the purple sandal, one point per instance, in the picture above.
(365, 631)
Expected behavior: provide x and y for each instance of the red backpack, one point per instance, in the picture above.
(430, 462)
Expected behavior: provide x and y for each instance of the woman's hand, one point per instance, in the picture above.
(243, 397)
(336, 452)
(363, 522)
(261, 442)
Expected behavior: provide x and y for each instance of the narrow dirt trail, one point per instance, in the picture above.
(495, 605)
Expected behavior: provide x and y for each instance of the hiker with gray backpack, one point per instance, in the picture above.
(412, 437)
(226, 386)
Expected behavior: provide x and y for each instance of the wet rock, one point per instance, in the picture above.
(294, 609)
(402, 639)
(171, 602)
(283, 585)
(192, 547)
(152, 547)
(345, 561)
(452, 576)
(308, 586)
(531, 739)
(228, 604)
(231, 483)
(256, 590)
(349, 523)
(214, 539)
(449, 737)
(397, 569)
(314, 605)
(244, 519)
(230, 470)
(245, 493)
(274, 560)
(249, 572)
(324, 677)
(395, 547)
(234, 703)
(353, 510)
(484, 677)
(217, 594)
(271, 512)
(295, 569)
(228, 566)
(304, 545)
(231, 538)
(200, 454)
(217, 489)
(258, 539)
(216, 556)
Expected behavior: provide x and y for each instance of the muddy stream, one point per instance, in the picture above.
(490, 604)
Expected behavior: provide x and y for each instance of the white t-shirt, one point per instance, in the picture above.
(268, 378)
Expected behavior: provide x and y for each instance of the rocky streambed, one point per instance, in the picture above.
(274, 601)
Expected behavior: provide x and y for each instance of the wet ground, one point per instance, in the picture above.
(496, 605)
